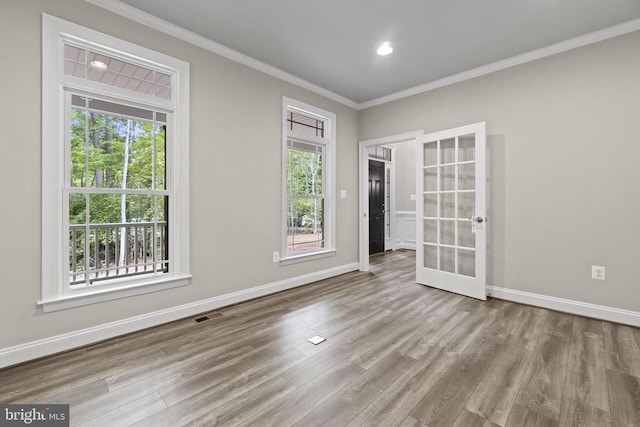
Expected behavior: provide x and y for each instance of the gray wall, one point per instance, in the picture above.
(563, 170)
(235, 174)
(563, 167)
(405, 176)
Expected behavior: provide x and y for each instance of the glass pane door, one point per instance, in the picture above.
(451, 220)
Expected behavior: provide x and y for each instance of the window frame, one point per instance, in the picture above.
(328, 177)
(56, 292)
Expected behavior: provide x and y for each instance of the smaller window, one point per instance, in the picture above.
(307, 179)
(380, 153)
(299, 123)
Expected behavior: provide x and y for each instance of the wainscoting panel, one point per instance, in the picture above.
(406, 230)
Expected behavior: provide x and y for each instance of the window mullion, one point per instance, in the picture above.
(87, 200)
(153, 153)
(153, 186)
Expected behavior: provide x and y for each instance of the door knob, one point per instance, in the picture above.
(477, 219)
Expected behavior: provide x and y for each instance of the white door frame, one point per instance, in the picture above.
(390, 171)
(363, 150)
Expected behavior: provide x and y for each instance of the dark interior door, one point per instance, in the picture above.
(376, 207)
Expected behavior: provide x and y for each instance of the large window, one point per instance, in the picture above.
(115, 159)
(309, 135)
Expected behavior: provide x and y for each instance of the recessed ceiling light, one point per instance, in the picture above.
(98, 65)
(385, 49)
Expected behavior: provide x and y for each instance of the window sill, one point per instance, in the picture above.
(294, 259)
(83, 297)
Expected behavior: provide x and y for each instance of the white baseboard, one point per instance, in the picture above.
(44, 347)
(406, 245)
(602, 312)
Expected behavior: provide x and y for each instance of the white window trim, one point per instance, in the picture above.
(56, 293)
(329, 185)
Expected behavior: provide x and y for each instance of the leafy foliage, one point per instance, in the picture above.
(115, 152)
(304, 189)
(100, 144)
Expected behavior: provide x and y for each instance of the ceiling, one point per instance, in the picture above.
(332, 43)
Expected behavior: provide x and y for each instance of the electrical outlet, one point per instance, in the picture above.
(276, 257)
(597, 272)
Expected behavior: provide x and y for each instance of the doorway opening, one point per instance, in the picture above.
(387, 189)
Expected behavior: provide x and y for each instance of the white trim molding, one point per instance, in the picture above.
(44, 347)
(363, 188)
(59, 343)
(579, 308)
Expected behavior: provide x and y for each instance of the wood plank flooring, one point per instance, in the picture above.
(397, 354)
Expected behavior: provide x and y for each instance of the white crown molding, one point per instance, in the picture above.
(580, 308)
(576, 42)
(56, 344)
(180, 33)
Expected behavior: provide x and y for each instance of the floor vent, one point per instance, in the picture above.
(201, 319)
(316, 340)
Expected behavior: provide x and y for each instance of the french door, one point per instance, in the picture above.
(451, 210)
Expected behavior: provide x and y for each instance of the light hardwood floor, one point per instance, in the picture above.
(397, 354)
